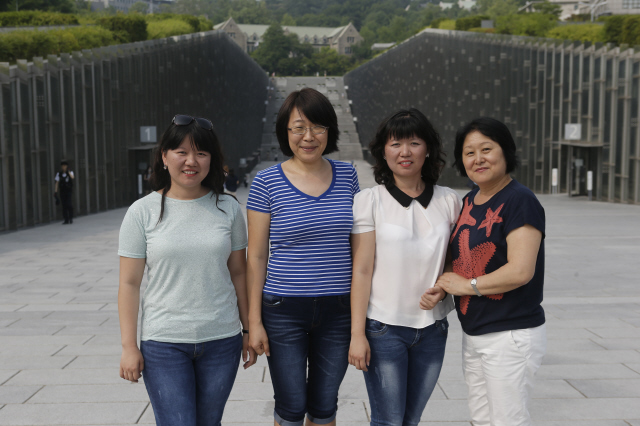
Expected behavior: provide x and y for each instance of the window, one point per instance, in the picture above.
(353, 39)
(347, 50)
(232, 35)
(631, 4)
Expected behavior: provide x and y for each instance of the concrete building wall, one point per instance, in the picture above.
(573, 108)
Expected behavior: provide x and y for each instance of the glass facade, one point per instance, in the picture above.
(88, 107)
(535, 86)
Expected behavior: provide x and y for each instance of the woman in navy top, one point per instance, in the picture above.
(497, 253)
(299, 262)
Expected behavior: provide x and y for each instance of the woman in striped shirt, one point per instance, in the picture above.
(299, 262)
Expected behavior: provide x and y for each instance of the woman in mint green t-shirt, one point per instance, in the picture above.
(192, 239)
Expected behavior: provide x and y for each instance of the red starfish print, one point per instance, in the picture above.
(490, 219)
(473, 263)
(465, 218)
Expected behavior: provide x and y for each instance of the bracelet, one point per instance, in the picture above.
(444, 297)
(245, 331)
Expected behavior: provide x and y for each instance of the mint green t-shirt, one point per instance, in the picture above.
(189, 297)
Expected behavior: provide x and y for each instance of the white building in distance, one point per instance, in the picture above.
(249, 37)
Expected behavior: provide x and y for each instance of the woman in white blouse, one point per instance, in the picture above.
(400, 235)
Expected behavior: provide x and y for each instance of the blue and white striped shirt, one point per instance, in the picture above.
(310, 254)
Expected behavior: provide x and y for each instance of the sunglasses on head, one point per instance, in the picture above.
(183, 120)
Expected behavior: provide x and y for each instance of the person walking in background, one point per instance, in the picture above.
(192, 238)
(231, 183)
(497, 257)
(400, 235)
(64, 189)
(299, 263)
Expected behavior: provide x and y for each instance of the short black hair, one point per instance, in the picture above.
(403, 124)
(318, 110)
(495, 130)
(64, 163)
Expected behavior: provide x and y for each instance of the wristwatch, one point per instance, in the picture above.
(474, 282)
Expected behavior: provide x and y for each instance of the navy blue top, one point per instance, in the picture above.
(479, 247)
(310, 254)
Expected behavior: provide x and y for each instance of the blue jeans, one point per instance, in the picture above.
(404, 368)
(301, 330)
(189, 384)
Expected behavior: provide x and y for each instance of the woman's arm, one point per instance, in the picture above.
(237, 265)
(363, 248)
(522, 252)
(257, 258)
(131, 273)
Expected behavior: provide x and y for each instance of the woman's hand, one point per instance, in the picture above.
(249, 356)
(455, 284)
(131, 364)
(431, 298)
(258, 340)
(359, 352)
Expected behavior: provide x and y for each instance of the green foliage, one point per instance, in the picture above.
(526, 24)
(593, 33)
(168, 28)
(549, 8)
(436, 22)
(275, 46)
(63, 6)
(447, 24)
(139, 7)
(127, 28)
(27, 44)
(465, 24)
(631, 30)
(496, 8)
(613, 29)
(287, 20)
(36, 19)
(483, 30)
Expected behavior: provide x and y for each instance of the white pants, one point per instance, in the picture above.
(499, 369)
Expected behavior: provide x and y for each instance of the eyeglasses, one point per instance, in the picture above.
(183, 120)
(299, 130)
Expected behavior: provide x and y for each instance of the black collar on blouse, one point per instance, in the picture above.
(405, 200)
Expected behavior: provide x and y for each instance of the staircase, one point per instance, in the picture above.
(349, 147)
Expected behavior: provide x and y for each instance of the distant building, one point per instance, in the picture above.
(124, 5)
(249, 37)
(599, 7)
(463, 4)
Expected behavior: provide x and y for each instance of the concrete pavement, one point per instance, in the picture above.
(60, 343)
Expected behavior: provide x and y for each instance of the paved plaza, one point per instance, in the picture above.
(60, 342)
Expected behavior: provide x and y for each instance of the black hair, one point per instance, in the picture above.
(202, 140)
(318, 110)
(407, 123)
(64, 163)
(494, 130)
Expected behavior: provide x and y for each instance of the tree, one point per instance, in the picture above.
(287, 20)
(549, 8)
(64, 6)
(139, 7)
(528, 24)
(254, 13)
(495, 8)
(274, 47)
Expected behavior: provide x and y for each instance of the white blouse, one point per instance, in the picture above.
(411, 247)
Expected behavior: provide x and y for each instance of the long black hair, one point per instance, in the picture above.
(407, 123)
(201, 140)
